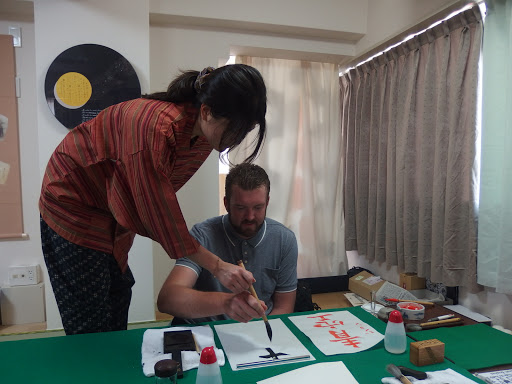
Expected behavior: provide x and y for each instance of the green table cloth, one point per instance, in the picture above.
(473, 346)
(115, 357)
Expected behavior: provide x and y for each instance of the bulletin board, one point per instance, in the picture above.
(11, 218)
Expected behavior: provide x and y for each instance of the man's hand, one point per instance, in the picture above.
(243, 307)
(233, 277)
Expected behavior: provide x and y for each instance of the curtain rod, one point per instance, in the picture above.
(398, 39)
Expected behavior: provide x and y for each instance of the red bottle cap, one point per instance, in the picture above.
(395, 317)
(208, 356)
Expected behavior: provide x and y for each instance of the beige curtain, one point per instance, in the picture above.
(409, 126)
(303, 159)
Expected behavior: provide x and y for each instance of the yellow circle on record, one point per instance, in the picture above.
(72, 90)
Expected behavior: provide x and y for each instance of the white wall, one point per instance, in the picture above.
(123, 26)
(391, 17)
(340, 17)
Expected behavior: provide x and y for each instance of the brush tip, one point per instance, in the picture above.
(269, 330)
(394, 370)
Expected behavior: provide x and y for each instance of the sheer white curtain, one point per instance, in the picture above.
(303, 159)
(495, 217)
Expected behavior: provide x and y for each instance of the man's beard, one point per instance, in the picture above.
(246, 232)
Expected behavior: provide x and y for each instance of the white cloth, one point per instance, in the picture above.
(153, 348)
(435, 377)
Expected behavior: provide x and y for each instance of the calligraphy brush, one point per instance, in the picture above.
(255, 295)
(434, 324)
(395, 371)
(410, 301)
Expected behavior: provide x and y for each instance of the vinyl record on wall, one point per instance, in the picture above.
(85, 79)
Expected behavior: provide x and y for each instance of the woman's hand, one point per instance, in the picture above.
(233, 277)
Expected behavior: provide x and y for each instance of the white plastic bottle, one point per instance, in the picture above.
(208, 371)
(395, 340)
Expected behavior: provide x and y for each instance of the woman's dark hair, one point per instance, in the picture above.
(248, 177)
(236, 92)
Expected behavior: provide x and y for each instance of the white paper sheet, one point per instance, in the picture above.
(468, 313)
(496, 377)
(337, 332)
(355, 299)
(392, 291)
(325, 373)
(247, 343)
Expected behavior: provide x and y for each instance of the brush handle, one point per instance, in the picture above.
(198, 350)
(397, 373)
(253, 293)
(441, 322)
(252, 290)
(455, 323)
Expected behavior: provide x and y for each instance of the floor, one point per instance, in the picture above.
(38, 330)
(331, 300)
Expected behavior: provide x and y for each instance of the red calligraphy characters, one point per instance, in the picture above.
(323, 321)
(340, 335)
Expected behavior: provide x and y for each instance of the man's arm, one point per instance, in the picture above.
(283, 302)
(178, 298)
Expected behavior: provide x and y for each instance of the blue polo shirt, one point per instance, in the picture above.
(271, 256)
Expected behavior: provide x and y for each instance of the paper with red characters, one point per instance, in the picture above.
(337, 332)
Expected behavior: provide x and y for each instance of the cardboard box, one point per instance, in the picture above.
(364, 283)
(426, 352)
(411, 281)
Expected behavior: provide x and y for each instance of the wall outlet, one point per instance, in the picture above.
(23, 275)
(15, 32)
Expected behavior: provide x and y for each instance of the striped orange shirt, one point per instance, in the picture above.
(117, 175)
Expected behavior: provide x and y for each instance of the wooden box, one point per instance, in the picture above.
(426, 352)
(411, 281)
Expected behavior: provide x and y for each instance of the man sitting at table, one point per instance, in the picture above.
(267, 248)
